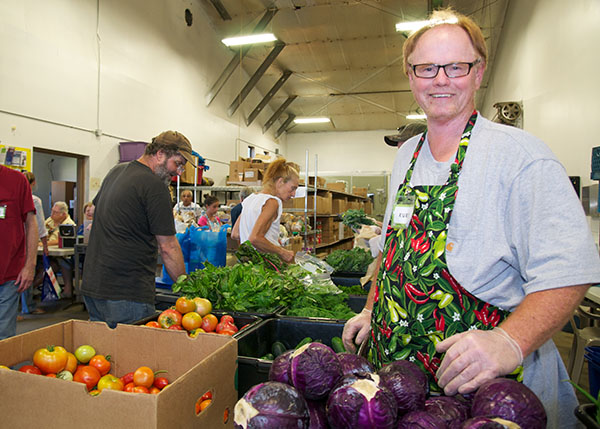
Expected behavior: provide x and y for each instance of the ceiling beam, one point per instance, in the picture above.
(221, 10)
(278, 113)
(285, 124)
(260, 71)
(237, 59)
(284, 77)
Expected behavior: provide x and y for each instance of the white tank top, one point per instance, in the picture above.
(251, 209)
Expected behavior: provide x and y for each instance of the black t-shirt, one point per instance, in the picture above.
(235, 213)
(132, 207)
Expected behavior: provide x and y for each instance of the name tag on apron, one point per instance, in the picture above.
(3, 212)
(403, 211)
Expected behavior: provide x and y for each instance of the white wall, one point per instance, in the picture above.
(343, 152)
(128, 68)
(548, 58)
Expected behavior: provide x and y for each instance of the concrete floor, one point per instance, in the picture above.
(59, 312)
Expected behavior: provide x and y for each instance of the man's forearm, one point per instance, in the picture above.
(173, 258)
(31, 239)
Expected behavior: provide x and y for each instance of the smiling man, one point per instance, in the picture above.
(133, 219)
(488, 251)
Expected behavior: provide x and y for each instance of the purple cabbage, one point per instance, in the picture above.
(488, 423)
(421, 420)
(271, 405)
(314, 370)
(408, 391)
(279, 368)
(318, 415)
(352, 363)
(450, 409)
(358, 402)
(406, 367)
(509, 400)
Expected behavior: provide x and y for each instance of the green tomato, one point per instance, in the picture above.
(85, 353)
(65, 375)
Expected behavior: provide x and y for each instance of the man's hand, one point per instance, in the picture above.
(356, 330)
(25, 278)
(474, 357)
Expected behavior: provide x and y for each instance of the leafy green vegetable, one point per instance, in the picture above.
(354, 290)
(356, 260)
(356, 218)
(248, 253)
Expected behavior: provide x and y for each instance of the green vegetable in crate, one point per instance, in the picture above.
(248, 253)
(356, 218)
(278, 348)
(356, 260)
(303, 342)
(338, 345)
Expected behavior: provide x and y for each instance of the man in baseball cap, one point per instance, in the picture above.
(133, 219)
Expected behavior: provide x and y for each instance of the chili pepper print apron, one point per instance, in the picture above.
(417, 301)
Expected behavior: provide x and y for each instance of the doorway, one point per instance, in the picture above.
(60, 176)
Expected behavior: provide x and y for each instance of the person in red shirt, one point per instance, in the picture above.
(19, 232)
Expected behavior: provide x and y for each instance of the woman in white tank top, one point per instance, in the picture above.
(259, 220)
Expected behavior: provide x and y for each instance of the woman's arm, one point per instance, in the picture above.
(257, 237)
(235, 232)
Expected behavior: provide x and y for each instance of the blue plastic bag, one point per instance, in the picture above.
(206, 245)
(50, 287)
(184, 243)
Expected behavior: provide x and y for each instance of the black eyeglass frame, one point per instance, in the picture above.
(440, 66)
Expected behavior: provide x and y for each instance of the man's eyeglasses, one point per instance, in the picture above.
(452, 70)
(180, 165)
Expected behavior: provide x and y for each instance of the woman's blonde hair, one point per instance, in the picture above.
(280, 169)
(447, 16)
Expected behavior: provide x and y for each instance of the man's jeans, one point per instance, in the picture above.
(113, 312)
(9, 307)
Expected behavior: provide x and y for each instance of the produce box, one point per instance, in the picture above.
(253, 174)
(338, 204)
(241, 320)
(362, 192)
(336, 186)
(195, 366)
(236, 170)
(257, 342)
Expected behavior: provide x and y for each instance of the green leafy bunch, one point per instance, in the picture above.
(356, 260)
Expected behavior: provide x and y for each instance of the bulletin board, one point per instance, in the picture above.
(18, 158)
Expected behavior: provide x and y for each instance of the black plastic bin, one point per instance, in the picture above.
(256, 342)
(586, 414)
(239, 319)
(346, 279)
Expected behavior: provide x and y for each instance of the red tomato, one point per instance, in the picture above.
(30, 369)
(176, 328)
(169, 318)
(129, 387)
(154, 390)
(227, 331)
(87, 375)
(153, 324)
(143, 376)
(224, 325)
(51, 359)
(185, 305)
(160, 382)
(111, 382)
(226, 318)
(207, 395)
(51, 375)
(140, 389)
(101, 363)
(127, 378)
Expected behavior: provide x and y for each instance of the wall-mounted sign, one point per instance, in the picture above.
(18, 158)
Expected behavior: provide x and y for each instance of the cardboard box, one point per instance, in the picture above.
(253, 174)
(336, 186)
(338, 204)
(368, 207)
(362, 192)
(323, 203)
(236, 170)
(194, 365)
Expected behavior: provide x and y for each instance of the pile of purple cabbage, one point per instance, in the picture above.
(313, 387)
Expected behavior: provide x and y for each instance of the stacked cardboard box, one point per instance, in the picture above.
(253, 174)
(205, 363)
(361, 192)
(336, 186)
(368, 207)
(338, 204)
(236, 169)
(323, 203)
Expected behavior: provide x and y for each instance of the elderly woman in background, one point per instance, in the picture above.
(88, 215)
(60, 216)
(259, 220)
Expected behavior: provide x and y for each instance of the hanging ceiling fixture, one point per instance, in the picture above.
(412, 26)
(314, 120)
(250, 39)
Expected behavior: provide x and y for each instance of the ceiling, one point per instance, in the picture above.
(341, 58)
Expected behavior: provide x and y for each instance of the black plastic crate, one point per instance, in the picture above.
(167, 299)
(256, 342)
(586, 414)
(346, 279)
(239, 319)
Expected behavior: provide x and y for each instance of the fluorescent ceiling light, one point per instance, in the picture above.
(311, 120)
(413, 26)
(419, 116)
(246, 40)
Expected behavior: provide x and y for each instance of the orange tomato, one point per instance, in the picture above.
(209, 322)
(110, 382)
(205, 404)
(101, 363)
(71, 363)
(154, 390)
(51, 375)
(203, 306)
(51, 359)
(191, 321)
(227, 331)
(143, 376)
(185, 305)
(153, 324)
(140, 389)
(129, 387)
